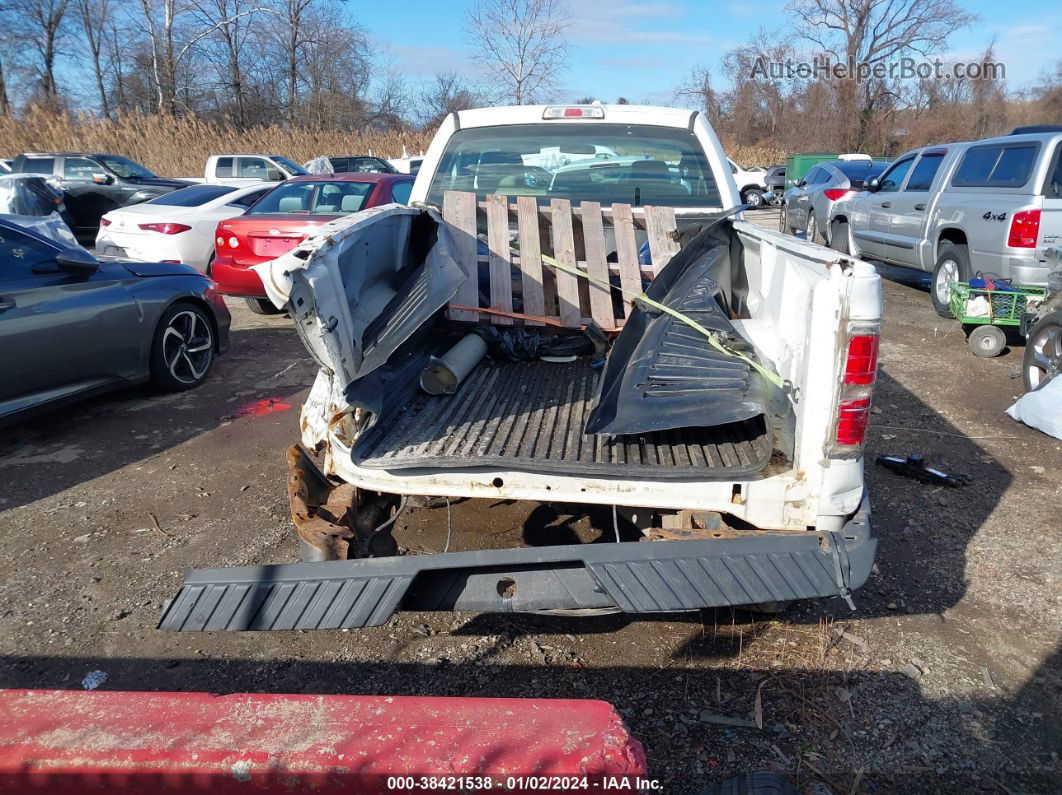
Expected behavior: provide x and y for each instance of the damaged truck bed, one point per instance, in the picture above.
(721, 414)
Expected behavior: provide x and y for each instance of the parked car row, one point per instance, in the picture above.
(148, 304)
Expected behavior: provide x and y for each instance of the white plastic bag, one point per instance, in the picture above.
(978, 306)
(1041, 409)
(319, 165)
(52, 227)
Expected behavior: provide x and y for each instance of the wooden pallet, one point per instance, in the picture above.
(574, 236)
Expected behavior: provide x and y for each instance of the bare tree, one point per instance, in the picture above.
(94, 16)
(445, 94)
(520, 44)
(230, 24)
(172, 35)
(855, 32)
(293, 34)
(41, 25)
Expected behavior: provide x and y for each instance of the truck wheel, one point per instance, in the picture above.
(987, 341)
(1043, 352)
(753, 197)
(262, 306)
(839, 237)
(953, 265)
(183, 349)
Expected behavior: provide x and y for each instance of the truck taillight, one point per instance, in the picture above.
(862, 364)
(1024, 229)
(857, 384)
(105, 221)
(852, 420)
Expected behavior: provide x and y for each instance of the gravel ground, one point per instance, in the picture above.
(945, 679)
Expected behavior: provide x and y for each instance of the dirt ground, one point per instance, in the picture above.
(946, 678)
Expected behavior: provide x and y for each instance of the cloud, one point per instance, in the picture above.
(632, 22)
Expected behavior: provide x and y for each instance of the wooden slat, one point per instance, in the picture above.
(626, 254)
(660, 225)
(501, 280)
(597, 265)
(564, 252)
(530, 257)
(459, 211)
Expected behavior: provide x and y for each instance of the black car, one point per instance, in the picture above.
(72, 326)
(361, 163)
(96, 183)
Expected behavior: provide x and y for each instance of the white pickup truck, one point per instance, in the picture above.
(728, 480)
(241, 170)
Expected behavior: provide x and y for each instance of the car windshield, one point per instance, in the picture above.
(314, 198)
(630, 164)
(126, 168)
(192, 197)
(293, 168)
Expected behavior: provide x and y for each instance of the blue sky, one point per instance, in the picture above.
(642, 49)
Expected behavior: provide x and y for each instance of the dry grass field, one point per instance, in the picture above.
(179, 147)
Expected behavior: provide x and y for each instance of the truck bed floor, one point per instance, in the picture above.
(531, 415)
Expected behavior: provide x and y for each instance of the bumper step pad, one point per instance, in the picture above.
(635, 577)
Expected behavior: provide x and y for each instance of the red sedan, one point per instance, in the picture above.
(285, 217)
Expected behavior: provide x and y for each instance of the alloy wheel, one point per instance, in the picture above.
(187, 346)
(947, 275)
(1046, 360)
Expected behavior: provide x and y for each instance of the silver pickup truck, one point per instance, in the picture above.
(991, 206)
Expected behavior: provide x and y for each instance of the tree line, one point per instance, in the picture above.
(309, 64)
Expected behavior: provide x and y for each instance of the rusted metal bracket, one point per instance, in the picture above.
(323, 512)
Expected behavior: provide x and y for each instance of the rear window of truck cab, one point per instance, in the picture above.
(996, 165)
(623, 163)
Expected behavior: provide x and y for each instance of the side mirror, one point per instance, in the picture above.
(102, 179)
(802, 183)
(76, 260)
(873, 184)
(274, 175)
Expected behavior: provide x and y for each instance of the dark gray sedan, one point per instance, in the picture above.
(72, 325)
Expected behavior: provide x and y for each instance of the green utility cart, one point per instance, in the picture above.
(988, 309)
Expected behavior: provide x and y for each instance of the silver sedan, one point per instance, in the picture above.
(806, 206)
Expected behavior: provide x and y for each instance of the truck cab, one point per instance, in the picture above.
(248, 169)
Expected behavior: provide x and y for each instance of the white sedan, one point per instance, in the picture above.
(177, 226)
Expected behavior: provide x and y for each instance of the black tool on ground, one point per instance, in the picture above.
(913, 466)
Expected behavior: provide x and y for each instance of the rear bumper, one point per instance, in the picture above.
(646, 577)
(237, 280)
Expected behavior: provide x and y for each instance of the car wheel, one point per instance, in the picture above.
(753, 197)
(813, 234)
(953, 265)
(183, 349)
(839, 237)
(987, 341)
(262, 306)
(783, 221)
(1043, 352)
